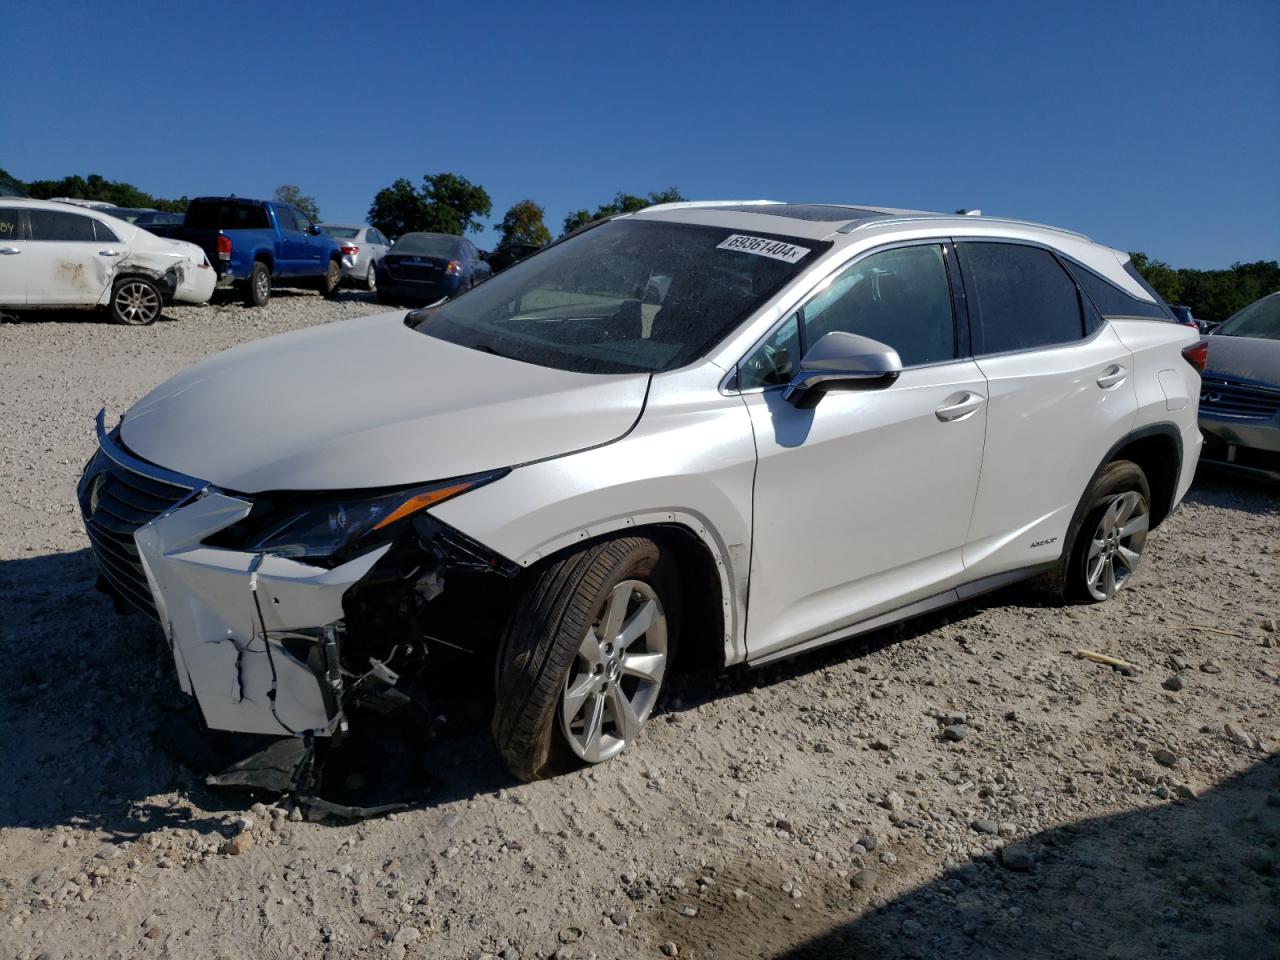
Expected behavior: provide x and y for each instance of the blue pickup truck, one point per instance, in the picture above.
(254, 244)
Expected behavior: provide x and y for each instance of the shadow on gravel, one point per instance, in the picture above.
(1199, 878)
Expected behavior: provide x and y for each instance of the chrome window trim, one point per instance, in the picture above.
(726, 386)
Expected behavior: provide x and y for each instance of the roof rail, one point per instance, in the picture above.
(884, 221)
(694, 204)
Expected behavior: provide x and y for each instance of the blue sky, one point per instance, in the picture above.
(1148, 126)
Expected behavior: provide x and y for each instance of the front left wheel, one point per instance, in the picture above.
(582, 660)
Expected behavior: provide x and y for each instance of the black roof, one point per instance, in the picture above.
(818, 212)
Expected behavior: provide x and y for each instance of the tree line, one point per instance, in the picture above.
(449, 203)
(1212, 295)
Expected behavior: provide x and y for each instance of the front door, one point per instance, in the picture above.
(862, 503)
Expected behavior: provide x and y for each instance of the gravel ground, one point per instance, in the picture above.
(960, 786)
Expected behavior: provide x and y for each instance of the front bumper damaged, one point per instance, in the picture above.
(255, 637)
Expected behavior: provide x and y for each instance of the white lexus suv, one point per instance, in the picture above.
(736, 429)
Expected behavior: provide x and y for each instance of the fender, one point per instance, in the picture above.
(734, 647)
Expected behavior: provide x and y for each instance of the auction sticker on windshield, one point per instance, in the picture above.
(763, 248)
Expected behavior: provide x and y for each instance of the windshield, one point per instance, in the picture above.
(1259, 319)
(339, 233)
(427, 245)
(623, 297)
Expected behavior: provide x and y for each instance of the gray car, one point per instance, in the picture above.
(1240, 392)
(362, 246)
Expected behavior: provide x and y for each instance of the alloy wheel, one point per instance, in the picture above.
(617, 673)
(138, 302)
(1116, 544)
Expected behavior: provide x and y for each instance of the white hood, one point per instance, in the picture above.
(370, 403)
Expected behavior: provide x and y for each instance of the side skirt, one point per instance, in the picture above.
(966, 591)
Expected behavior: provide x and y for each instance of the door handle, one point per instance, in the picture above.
(1113, 376)
(960, 406)
(108, 253)
(10, 251)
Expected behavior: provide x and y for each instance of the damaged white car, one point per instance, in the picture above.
(70, 257)
(739, 429)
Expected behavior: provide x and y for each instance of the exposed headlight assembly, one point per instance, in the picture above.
(319, 527)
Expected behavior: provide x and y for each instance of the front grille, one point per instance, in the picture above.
(118, 494)
(1235, 399)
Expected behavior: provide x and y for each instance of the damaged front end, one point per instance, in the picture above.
(284, 612)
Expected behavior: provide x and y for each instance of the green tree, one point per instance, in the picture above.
(523, 223)
(288, 193)
(1211, 294)
(447, 203)
(621, 203)
(96, 187)
(454, 203)
(398, 209)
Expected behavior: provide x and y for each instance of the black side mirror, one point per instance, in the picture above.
(842, 361)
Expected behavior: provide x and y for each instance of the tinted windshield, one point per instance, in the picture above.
(339, 233)
(427, 245)
(1259, 319)
(625, 296)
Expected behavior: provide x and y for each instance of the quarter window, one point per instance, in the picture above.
(56, 225)
(104, 233)
(1025, 298)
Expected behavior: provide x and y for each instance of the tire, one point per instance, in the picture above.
(371, 279)
(136, 302)
(258, 290)
(332, 280)
(1105, 545)
(553, 673)
(384, 298)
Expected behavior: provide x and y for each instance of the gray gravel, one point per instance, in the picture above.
(824, 807)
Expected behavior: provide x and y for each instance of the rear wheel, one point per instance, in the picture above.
(136, 302)
(258, 290)
(1104, 548)
(371, 279)
(583, 657)
(332, 280)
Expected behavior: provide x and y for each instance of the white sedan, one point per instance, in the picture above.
(59, 256)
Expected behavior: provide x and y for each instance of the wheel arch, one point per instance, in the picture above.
(1157, 450)
(711, 610)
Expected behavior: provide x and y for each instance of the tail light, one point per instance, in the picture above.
(350, 249)
(224, 247)
(1197, 355)
(454, 269)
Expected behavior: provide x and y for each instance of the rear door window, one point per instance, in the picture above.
(54, 225)
(227, 215)
(284, 217)
(1025, 298)
(10, 225)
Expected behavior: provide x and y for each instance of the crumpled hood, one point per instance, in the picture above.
(1249, 358)
(370, 403)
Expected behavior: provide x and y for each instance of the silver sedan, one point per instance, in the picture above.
(362, 245)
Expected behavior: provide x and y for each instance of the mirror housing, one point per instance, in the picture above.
(842, 361)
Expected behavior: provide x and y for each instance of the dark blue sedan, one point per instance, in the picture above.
(422, 268)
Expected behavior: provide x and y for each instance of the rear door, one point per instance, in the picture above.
(293, 247)
(65, 262)
(13, 248)
(862, 504)
(1061, 394)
